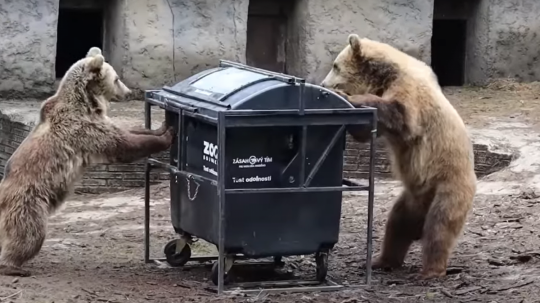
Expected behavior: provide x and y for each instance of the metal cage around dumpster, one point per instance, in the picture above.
(264, 152)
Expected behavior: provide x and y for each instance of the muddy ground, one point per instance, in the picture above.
(94, 250)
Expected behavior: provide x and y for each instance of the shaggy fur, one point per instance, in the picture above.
(73, 132)
(431, 152)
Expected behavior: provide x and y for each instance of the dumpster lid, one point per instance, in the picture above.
(216, 85)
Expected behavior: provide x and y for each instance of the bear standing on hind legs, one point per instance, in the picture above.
(430, 149)
(73, 132)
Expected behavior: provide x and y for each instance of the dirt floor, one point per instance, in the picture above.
(94, 250)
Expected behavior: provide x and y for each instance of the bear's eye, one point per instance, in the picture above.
(116, 80)
(336, 67)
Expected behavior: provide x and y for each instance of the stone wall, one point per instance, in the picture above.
(168, 41)
(27, 47)
(503, 41)
(319, 30)
(156, 43)
(514, 37)
(356, 162)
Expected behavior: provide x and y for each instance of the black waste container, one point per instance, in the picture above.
(264, 223)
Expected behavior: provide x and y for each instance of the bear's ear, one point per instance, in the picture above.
(354, 42)
(93, 51)
(95, 63)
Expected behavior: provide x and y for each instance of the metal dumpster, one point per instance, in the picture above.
(278, 191)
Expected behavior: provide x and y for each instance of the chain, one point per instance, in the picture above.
(188, 188)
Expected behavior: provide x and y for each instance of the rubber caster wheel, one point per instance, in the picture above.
(215, 272)
(278, 261)
(321, 262)
(177, 259)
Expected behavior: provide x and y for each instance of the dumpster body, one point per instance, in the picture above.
(254, 224)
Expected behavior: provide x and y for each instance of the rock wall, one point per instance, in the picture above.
(169, 40)
(514, 34)
(356, 160)
(503, 41)
(319, 30)
(27, 47)
(155, 43)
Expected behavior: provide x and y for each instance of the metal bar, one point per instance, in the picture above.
(351, 183)
(324, 155)
(277, 283)
(221, 136)
(296, 120)
(278, 76)
(301, 100)
(147, 125)
(371, 194)
(182, 140)
(195, 177)
(303, 152)
(179, 142)
(295, 189)
(158, 164)
(200, 117)
(323, 288)
(155, 102)
(173, 170)
(277, 112)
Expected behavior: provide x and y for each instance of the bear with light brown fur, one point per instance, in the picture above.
(72, 133)
(431, 152)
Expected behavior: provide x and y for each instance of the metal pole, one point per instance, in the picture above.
(148, 167)
(303, 140)
(221, 199)
(324, 155)
(181, 155)
(371, 194)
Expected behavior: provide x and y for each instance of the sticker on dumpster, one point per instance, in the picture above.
(209, 170)
(252, 161)
(210, 152)
(252, 179)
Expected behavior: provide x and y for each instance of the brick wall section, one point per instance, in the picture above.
(98, 178)
(116, 177)
(356, 162)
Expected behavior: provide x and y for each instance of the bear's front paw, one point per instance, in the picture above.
(168, 136)
(162, 129)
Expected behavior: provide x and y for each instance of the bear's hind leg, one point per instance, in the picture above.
(19, 249)
(403, 227)
(444, 223)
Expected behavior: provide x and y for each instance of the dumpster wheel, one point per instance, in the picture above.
(174, 258)
(321, 262)
(229, 261)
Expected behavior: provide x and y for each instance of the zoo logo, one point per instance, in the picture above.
(210, 149)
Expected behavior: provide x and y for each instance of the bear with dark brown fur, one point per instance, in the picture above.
(430, 149)
(73, 132)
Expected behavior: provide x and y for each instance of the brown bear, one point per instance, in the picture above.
(73, 132)
(430, 149)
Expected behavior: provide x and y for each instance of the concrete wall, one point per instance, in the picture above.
(169, 40)
(27, 47)
(478, 58)
(514, 33)
(320, 28)
(503, 41)
(152, 43)
(114, 46)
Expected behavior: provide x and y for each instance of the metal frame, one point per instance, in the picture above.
(250, 118)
